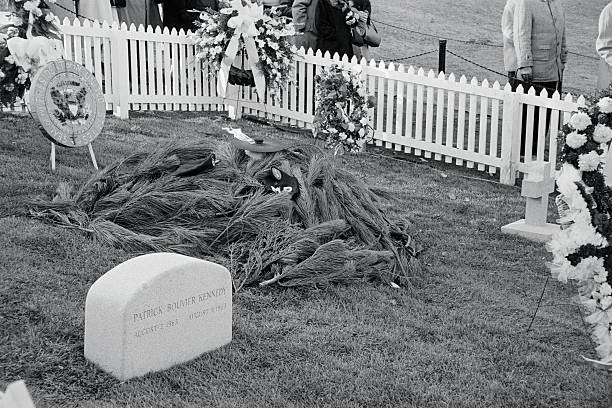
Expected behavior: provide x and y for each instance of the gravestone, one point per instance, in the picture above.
(155, 311)
(537, 185)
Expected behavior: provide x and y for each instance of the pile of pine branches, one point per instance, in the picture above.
(334, 231)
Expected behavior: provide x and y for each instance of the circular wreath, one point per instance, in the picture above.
(341, 115)
(28, 18)
(276, 52)
(582, 250)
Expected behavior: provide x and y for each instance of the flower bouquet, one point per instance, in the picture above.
(270, 31)
(341, 116)
(582, 250)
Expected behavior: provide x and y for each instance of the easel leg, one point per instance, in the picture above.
(93, 156)
(52, 156)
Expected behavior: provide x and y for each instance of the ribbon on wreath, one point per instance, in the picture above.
(244, 27)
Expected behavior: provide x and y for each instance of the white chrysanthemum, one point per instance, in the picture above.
(575, 140)
(580, 121)
(605, 302)
(351, 127)
(587, 268)
(361, 132)
(605, 289)
(602, 134)
(601, 275)
(363, 121)
(605, 104)
(589, 161)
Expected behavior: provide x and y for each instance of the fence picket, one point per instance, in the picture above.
(390, 105)
(527, 149)
(493, 147)
(418, 134)
(429, 114)
(380, 105)
(542, 130)
(483, 118)
(440, 116)
(409, 107)
(450, 119)
(472, 122)
(399, 111)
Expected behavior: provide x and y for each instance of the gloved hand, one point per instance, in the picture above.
(525, 74)
(350, 19)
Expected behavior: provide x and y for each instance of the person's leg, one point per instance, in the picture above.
(550, 89)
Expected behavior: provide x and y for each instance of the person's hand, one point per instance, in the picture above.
(350, 19)
(525, 74)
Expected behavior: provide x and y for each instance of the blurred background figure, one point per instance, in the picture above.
(507, 26)
(604, 48)
(362, 10)
(136, 12)
(333, 21)
(541, 53)
(303, 13)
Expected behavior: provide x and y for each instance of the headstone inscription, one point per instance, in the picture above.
(155, 311)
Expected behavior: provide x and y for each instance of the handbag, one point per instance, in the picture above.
(371, 37)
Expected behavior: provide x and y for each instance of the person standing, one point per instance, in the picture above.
(507, 26)
(604, 48)
(183, 13)
(333, 21)
(362, 10)
(541, 51)
(303, 13)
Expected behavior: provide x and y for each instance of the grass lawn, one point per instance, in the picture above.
(457, 338)
(480, 21)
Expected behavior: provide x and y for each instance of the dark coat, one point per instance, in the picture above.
(334, 33)
(177, 15)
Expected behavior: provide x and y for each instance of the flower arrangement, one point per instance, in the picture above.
(341, 116)
(271, 34)
(29, 18)
(582, 250)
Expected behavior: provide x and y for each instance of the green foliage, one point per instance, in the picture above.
(137, 204)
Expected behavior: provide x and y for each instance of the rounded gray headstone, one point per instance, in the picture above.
(66, 99)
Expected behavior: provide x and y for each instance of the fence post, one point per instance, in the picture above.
(119, 65)
(441, 56)
(510, 131)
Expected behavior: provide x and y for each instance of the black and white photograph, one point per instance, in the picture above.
(305, 203)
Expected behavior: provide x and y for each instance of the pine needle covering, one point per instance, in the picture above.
(334, 231)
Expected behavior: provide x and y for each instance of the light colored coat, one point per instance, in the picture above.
(507, 26)
(539, 38)
(604, 47)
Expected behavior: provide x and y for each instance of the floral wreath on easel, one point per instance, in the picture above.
(270, 31)
(341, 115)
(26, 43)
(582, 250)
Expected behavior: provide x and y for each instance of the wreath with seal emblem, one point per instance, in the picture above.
(71, 106)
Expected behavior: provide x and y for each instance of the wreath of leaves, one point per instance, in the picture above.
(341, 116)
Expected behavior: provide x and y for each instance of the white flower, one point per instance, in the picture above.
(50, 17)
(575, 140)
(14, 20)
(350, 140)
(606, 302)
(2, 75)
(363, 121)
(602, 276)
(342, 136)
(22, 78)
(605, 289)
(589, 161)
(580, 121)
(10, 59)
(361, 132)
(602, 133)
(351, 127)
(605, 104)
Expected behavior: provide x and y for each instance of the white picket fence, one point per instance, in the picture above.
(441, 117)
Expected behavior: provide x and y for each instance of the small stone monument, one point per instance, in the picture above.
(537, 185)
(155, 311)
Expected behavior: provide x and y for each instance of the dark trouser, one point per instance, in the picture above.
(538, 86)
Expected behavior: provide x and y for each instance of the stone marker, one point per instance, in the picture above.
(537, 185)
(157, 310)
(16, 396)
